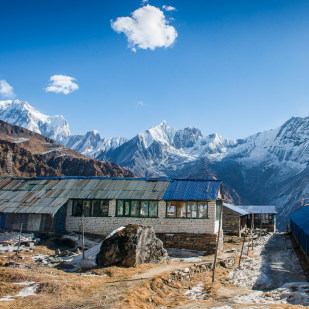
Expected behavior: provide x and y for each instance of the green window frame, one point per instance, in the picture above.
(137, 208)
(90, 207)
(187, 209)
(218, 209)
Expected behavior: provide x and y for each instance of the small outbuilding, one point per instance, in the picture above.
(260, 216)
(299, 222)
(237, 218)
(234, 219)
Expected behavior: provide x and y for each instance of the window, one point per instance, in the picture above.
(90, 208)
(144, 209)
(120, 208)
(77, 208)
(171, 210)
(190, 209)
(218, 209)
(153, 209)
(134, 208)
(202, 210)
(86, 206)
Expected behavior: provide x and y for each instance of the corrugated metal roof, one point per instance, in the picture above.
(237, 209)
(47, 195)
(182, 189)
(301, 218)
(258, 209)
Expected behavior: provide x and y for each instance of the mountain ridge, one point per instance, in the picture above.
(25, 153)
(263, 168)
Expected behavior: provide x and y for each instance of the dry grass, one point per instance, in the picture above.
(55, 288)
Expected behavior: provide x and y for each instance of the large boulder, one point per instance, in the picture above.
(130, 246)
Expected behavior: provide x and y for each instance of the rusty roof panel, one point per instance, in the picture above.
(47, 195)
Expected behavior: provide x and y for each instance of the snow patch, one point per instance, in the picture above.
(29, 290)
(196, 293)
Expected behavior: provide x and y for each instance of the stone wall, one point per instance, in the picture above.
(231, 222)
(105, 225)
(200, 242)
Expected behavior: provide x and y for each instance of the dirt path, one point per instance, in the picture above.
(280, 263)
(270, 277)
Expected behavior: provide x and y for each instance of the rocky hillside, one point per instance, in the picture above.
(27, 154)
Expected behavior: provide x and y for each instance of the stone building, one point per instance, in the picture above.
(183, 213)
(234, 219)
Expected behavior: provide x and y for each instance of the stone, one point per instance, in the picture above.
(133, 245)
(30, 244)
(65, 242)
(7, 243)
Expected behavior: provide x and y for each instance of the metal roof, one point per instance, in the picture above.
(301, 218)
(237, 209)
(184, 189)
(258, 209)
(47, 195)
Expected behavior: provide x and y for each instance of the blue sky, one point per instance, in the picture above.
(235, 67)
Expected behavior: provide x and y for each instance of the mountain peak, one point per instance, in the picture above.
(22, 114)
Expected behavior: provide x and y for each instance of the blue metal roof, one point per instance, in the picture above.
(236, 209)
(184, 189)
(258, 209)
(300, 217)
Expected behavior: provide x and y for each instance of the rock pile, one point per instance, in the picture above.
(130, 246)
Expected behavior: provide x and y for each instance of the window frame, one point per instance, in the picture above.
(197, 202)
(101, 215)
(218, 211)
(139, 208)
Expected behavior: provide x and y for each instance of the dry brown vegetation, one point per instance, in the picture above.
(113, 287)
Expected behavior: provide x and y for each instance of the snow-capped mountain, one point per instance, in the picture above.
(92, 143)
(269, 167)
(21, 113)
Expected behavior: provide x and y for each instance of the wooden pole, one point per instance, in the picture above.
(252, 228)
(261, 226)
(20, 230)
(242, 248)
(83, 237)
(218, 243)
(249, 243)
(252, 222)
(252, 239)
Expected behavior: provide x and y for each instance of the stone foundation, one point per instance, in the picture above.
(200, 242)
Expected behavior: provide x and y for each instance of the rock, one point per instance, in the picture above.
(65, 242)
(29, 244)
(7, 243)
(65, 265)
(65, 253)
(133, 245)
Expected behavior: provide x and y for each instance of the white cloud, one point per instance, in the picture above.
(147, 28)
(140, 103)
(61, 84)
(168, 8)
(6, 90)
